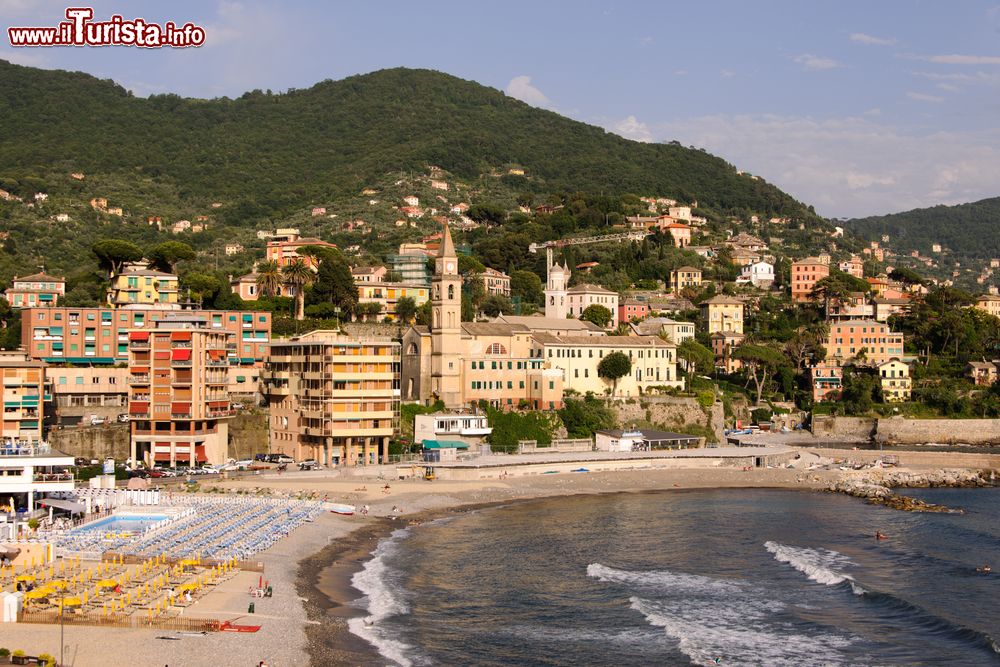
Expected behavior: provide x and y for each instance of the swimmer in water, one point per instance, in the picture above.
(879, 535)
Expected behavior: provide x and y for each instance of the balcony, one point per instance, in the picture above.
(139, 345)
(180, 380)
(138, 379)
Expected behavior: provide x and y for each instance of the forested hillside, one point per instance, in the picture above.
(968, 231)
(265, 154)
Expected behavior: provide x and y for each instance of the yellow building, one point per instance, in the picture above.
(654, 362)
(387, 295)
(138, 284)
(24, 396)
(686, 276)
(990, 304)
(722, 313)
(894, 376)
(333, 397)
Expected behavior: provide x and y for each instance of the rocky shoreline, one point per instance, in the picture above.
(876, 486)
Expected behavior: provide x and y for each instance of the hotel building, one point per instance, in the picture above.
(805, 274)
(24, 395)
(99, 336)
(178, 402)
(848, 338)
(654, 362)
(722, 313)
(333, 397)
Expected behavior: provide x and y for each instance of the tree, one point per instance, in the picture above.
(164, 256)
(597, 314)
(761, 363)
(424, 314)
(905, 275)
(696, 357)
(860, 390)
(406, 309)
(334, 283)
(806, 346)
(113, 253)
(582, 418)
(269, 279)
(487, 213)
(496, 304)
(613, 367)
(297, 274)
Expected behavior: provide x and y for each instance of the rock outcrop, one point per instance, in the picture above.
(876, 486)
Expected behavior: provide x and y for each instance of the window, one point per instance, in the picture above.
(496, 348)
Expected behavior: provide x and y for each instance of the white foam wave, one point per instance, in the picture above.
(711, 618)
(383, 599)
(704, 637)
(820, 565)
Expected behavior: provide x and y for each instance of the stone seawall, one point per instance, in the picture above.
(848, 428)
(669, 413)
(947, 431)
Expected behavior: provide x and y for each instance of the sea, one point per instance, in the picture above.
(696, 577)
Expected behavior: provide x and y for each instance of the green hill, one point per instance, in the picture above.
(968, 231)
(266, 154)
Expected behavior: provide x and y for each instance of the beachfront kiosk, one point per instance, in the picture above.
(642, 440)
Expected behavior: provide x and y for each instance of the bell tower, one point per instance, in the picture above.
(446, 325)
(555, 290)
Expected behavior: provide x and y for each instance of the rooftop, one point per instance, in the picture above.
(601, 341)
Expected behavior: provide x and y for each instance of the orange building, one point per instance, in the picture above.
(849, 337)
(805, 274)
(178, 398)
(284, 252)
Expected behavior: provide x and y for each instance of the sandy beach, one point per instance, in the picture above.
(305, 623)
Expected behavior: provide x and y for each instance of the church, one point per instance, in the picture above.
(520, 362)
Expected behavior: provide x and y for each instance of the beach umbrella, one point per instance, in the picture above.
(38, 594)
(107, 583)
(24, 577)
(70, 602)
(60, 584)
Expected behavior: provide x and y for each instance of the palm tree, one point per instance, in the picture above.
(269, 280)
(297, 274)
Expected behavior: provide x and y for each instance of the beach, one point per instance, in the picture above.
(311, 569)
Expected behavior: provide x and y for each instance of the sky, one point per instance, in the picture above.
(859, 108)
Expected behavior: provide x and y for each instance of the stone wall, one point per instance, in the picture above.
(248, 435)
(669, 413)
(898, 431)
(93, 442)
(858, 428)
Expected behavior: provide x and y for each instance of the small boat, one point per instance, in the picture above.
(226, 626)
(337, 508)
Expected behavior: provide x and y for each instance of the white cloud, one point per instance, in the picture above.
(811, 62)
(960, 59)
(851, 166)
(521, 88)
(924, 97)
(632, 128)
(950, 87)
(863, 38)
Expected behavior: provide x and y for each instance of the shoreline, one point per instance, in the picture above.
(324, 578)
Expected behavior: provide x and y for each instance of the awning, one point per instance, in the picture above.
(138, 335)
(181, 354)
(180, 335)
(68, 505)
(161, 355)
(445, 444)
(180, 408)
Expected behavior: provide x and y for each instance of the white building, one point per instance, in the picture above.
(465, 427)
(758, 274)
(580, 297)
(28, 471)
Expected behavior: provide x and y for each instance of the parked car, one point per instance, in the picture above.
(284, 458)
(260, 457)
(244, 464)
(155, 473)
(123, 418)
(96, 421)
(309, 464)
(236, 406)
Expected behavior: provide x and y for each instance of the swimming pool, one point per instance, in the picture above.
(125, 523)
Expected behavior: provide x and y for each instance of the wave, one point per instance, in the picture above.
(820, 565)
(383, 599)
(824, 566)
(711, 618)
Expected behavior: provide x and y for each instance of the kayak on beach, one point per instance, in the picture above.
(337, 508)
